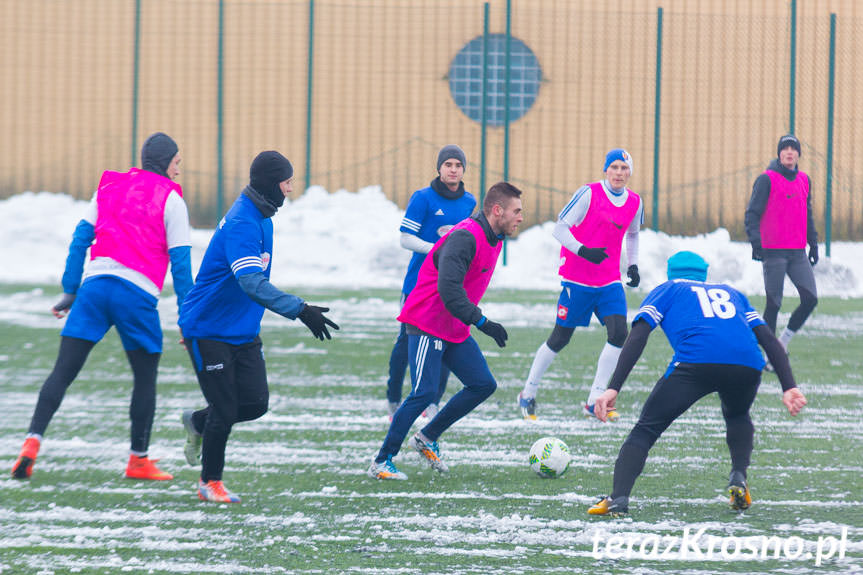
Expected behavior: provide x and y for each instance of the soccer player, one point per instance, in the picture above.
(430, 214)
(221, 321)
(438, 313)
(591, 230)
(715, 335)
(136, 224)
(779, 224)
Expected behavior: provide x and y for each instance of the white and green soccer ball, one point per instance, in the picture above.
(549, 457)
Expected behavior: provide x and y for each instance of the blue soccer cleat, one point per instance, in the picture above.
(430, 451)
(527, 407)
(386, 470)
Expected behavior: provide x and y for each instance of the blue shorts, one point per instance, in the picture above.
(106, 300)
(576, 303)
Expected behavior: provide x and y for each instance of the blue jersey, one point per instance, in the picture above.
(704, 322)
(429, 216)
(217, 307)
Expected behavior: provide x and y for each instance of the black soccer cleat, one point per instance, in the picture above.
(738, 491)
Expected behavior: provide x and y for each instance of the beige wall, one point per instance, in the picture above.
(382, 106)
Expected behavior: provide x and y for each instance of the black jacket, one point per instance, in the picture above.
(758, 203)
(452, 261)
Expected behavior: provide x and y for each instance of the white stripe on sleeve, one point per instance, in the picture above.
(652, 312)
(410, 224)
(574, 212)
(246, 262)
(753, 316)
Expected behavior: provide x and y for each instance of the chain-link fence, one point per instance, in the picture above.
(364, 92)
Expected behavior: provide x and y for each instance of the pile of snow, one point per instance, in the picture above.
(351, 240)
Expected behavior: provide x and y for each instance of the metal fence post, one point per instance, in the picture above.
(220, 105)
(508, 62)
(792, 88)
(136, 71)
(657, 100)
(828, 208)
(309, 84)
(484, 114)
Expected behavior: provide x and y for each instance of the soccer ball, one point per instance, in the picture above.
(549, 457)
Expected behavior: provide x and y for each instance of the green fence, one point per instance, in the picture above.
(361, 93)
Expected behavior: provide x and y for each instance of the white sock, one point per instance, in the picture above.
(785, 338)
(604, 370)
(544, 357)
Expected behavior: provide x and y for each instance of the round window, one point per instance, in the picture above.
(465, 79)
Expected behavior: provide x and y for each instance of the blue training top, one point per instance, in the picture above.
(429, 216)
(217, 307)
(704, 322)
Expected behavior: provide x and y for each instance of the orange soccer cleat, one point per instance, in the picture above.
(23, 467)
(145, 468)
(214, 490)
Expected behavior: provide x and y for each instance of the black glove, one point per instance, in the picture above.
(757, 254)
(813, 254)
(494, 330)
(314, 318)
(593, 255)
(632, 274)
(62, 307)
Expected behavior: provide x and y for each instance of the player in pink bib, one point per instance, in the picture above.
(438, 314)
(591, 230)
(780, 225)
(136, 225)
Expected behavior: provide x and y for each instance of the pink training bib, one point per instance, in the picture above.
(130, 227)
(424, 307)
(603, 226)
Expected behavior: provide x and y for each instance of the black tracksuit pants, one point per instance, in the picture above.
(70, 359)
(233, 379)
(676, 392)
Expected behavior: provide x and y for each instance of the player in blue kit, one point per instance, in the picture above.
(221, 319)
(430, 214)
(715, 334)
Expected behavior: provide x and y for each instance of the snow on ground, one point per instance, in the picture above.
(347, 239)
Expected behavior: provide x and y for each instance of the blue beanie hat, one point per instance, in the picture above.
(687, 265)
(617, 154)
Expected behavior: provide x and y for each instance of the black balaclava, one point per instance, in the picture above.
(157, 152)
(267, 171)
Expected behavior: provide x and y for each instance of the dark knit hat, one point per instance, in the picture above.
(449, 152)
(157, 152)
(268, 170)
(788, 140)
(687, 265)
